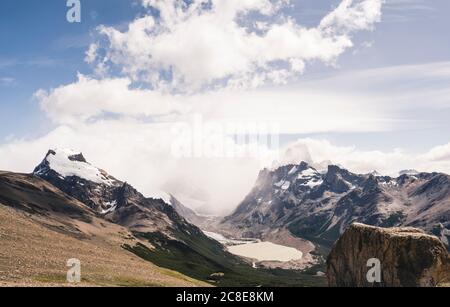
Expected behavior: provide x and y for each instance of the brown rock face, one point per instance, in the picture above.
(407, 258)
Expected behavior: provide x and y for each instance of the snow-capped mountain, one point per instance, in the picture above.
(69, 171)
(113, 199)
(319, 206)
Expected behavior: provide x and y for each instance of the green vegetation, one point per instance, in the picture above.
(97, 279)
(199, 257)
(51, 278)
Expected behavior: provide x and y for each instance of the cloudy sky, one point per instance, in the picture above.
(362, 83)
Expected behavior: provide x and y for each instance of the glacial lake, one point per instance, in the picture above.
(266, 251)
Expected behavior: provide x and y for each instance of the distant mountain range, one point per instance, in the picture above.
(319, 206)
(68, 208)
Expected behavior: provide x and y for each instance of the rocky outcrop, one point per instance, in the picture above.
(406, 257)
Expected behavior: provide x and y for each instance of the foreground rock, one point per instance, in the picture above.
(407, 258)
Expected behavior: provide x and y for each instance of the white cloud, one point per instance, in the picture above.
(409, 10)
(89, 98)
(359, 101)
(362, 161)
(300, 110)
(352, 15)
(439, 154)
(208, 43)
(401, 89)
(141, 154)
(91, 53)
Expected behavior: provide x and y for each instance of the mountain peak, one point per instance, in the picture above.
(72, 155)
(71, 163)
(375, 173)
(334, 169)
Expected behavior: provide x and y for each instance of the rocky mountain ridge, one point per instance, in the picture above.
(319, 206)
(113, 199)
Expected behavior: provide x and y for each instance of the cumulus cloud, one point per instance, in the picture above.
(237, 43)
(351, 16)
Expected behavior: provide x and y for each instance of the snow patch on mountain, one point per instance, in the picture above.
(312, 183)
(279, 184)
(410, 172)
(293, 170)
(308, 174)
(70, 163)
(286, 185)
(111, 207)
(166, 197)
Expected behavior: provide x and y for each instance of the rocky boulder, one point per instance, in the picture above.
(404, 257)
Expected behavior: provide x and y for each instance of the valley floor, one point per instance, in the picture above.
(279, 249)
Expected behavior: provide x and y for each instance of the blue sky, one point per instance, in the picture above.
(382, 104)
(40, 49)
